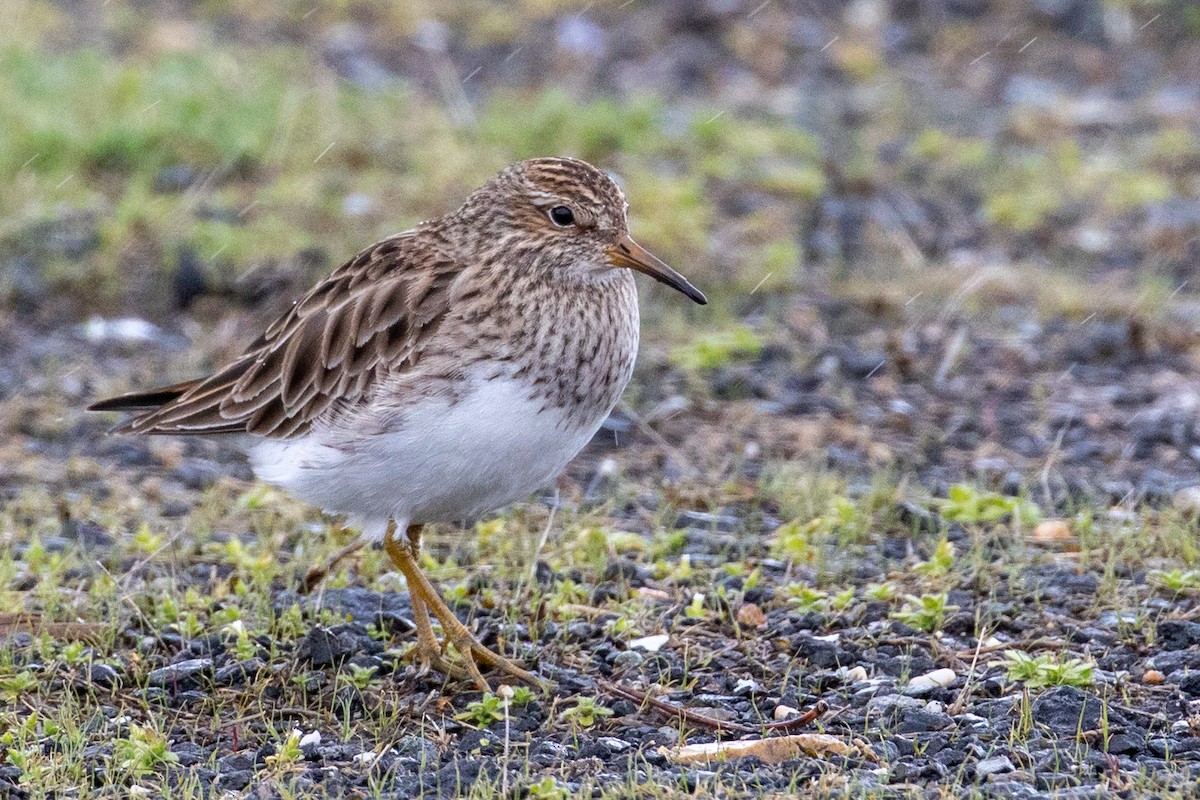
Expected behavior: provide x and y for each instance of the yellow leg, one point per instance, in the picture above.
(427, 652)
(423, 594)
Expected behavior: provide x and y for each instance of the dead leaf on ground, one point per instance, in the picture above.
(772, 751)
(1055, 533)
(751, 616)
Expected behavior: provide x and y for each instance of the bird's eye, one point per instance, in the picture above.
(562, 216)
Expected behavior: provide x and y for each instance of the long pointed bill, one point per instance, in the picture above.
(631, 255)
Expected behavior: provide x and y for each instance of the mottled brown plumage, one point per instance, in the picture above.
(442, 372)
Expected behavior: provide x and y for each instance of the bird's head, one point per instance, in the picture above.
(563, 213)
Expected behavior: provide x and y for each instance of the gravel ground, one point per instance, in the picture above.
(765, 618)
(916, 519)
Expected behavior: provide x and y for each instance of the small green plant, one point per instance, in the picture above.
(1037, 672)
(940, 562)
(485, 710)
(143, 751)
(13, 686)
(882, 592)
(244, 648)
(1176, 581)
(73, 653)
(360, 678)
(547, 789)
(806, 598)
(290, 623)
(586, 712)
(843, 599)
(289, 754)
(521, 696)
(976, 506)
(695, 609)
(190, 626)
(147, 541)
(926, 612)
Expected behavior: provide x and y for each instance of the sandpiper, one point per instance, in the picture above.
(440, 374)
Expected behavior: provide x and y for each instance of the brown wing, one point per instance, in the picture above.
(370, 317)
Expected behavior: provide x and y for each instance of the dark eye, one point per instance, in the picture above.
(562, 216)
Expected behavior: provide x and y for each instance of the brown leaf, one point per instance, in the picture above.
(751, 616)
(773, 751)
(1052, 530)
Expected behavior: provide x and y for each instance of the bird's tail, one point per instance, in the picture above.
(142, 401)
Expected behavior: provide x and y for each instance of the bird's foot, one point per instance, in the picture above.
(425, 599)
(475, 653)
(426, 659)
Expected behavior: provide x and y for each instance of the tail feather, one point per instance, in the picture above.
(140, 401)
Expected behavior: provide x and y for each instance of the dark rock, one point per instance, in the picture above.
(102, 675)
(236, 762)
(87, 533)
(608, 592)
(176, 178)
(184, 675)
(391, 610)
(239, 672)
(188, 753)
(323, 647)
(1176, 660)
(822, 654)
(1125, 744)
(235, 781)
(1066, 710)
(1190, 683)
(198, 475)
(189, 281)
(919, 720)
(1177, 634)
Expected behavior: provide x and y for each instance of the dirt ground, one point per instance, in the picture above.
(913, 504)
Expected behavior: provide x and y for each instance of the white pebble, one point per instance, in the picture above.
(313, 739)
(783, 712)
(651, 644)
(856, 674)
(933, 680)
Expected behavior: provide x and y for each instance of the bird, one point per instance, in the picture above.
(440, 374)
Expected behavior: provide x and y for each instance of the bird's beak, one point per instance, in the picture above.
(628, 254)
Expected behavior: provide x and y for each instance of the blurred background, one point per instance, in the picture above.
(945, 400)
(945, 238)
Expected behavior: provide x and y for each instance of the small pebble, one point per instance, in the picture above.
(783, 712)
(651, 644)
(751, 616)
(1187, 500)
(933, 680)
(993, 766)
(614, 745)
(184, 671)
(1052, 531)
(856, 674)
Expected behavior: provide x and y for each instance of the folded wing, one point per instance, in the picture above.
(371, 317)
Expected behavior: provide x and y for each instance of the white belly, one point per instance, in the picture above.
(442, 462)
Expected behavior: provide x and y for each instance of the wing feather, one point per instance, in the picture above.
(371, 317)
